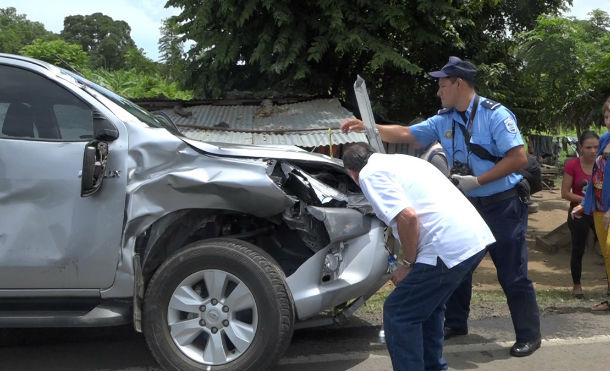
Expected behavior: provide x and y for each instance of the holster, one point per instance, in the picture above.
(523, 190)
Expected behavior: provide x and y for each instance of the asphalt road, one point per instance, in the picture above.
(579, 340)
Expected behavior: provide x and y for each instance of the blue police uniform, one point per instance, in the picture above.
(494, 128)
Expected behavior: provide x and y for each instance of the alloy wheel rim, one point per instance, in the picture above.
(212, 317)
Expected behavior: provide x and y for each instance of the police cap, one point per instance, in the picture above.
(456, 68)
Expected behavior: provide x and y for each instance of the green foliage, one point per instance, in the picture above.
(309, 47)
(105, 40)
(136, 59)
(565, 62)
(56, 52)
(319, 46)
(16, 31)
(138, 84)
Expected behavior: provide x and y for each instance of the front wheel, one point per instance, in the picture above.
(222, 304)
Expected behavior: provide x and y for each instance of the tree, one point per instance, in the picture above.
(319, 46)
(565, 61)
(16, 31)
(171, 49)
(105, 40)
(311, 47)
(56, 52)
(135, 58)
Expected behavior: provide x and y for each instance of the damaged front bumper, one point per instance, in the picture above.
(341, 271)
(353, 264)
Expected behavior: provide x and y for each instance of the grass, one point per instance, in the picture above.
(375, 302)
(546, 298)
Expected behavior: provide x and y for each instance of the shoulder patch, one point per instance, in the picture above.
(444, 111)
(511, 125)
(490, 104)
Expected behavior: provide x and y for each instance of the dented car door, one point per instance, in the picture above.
(50, 237)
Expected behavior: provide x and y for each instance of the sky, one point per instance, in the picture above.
(145, 16)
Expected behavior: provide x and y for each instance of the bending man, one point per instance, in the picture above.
(443, 239)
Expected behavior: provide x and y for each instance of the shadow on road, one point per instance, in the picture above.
(74, 349)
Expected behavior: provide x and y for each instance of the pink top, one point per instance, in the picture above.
(579, 177)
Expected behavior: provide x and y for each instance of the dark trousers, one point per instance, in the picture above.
(413, 314)
(579, 229)
(507, 220)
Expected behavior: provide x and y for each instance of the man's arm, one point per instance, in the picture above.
(514, 160)
(388, 133)
(407, 224)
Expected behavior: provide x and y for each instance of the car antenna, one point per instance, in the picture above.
(69, 66)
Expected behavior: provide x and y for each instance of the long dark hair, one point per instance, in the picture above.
(587, 134)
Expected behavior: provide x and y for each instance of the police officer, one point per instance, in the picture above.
(483, 144)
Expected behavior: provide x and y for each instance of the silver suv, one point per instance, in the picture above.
(215, 252)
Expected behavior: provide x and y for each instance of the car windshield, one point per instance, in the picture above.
(139, 112)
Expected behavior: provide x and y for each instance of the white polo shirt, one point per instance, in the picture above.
(450, 228)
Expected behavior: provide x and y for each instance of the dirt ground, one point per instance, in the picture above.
(549, 270)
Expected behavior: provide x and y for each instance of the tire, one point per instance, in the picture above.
(230, 308)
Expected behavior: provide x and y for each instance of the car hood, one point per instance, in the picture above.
(279, 152)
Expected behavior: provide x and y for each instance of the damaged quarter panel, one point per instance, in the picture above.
(165, 174)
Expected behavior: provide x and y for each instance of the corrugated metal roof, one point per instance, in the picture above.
(304, 124)
(301, 139)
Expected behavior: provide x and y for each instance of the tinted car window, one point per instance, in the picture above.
(74, 121)
(34, 107)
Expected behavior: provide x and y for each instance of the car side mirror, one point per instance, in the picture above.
(103, 129)
(95, 159)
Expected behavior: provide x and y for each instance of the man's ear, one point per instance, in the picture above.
(353, 174)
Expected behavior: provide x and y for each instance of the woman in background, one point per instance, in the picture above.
(597, 199)
(576, 175)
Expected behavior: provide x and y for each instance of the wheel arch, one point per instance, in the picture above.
(176, 230)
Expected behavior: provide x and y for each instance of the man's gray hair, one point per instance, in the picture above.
(357, 155)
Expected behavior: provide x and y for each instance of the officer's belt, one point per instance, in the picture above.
(488, 200)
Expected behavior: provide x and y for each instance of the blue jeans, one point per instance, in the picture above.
(414, 312)
(507, 220)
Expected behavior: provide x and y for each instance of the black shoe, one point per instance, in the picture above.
(525, 349)
(451, 332)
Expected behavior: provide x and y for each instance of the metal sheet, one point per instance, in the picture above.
(366, 112)
(303, 124)
(309, 139)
